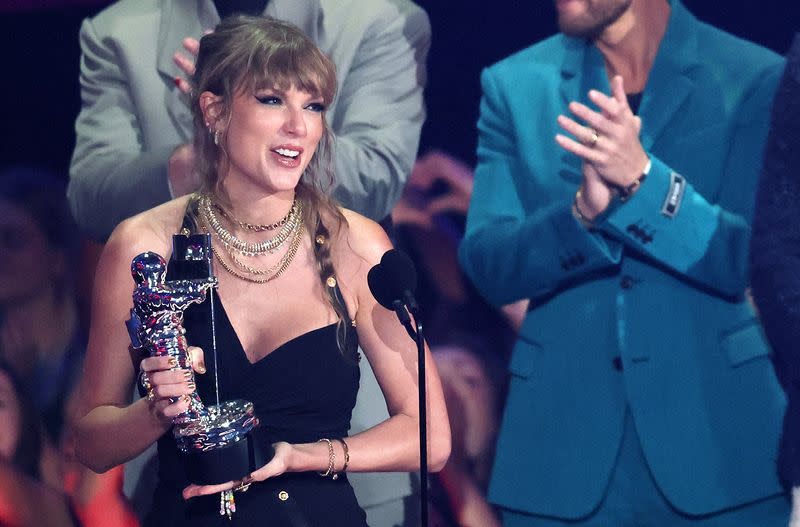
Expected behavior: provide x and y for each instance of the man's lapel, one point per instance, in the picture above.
(669, 84)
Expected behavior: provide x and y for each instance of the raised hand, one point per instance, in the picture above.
(186, 63)
(609, 139)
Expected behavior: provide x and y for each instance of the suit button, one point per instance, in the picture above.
(617, 362)
(626, 282)
(283, 495)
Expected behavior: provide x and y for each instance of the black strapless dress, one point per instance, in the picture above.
(302, 391)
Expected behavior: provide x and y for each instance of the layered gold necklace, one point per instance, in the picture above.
(289, 236)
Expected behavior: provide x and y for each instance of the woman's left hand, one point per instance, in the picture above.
(277, 466)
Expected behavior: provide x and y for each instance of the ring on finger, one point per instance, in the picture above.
(144, 381)
(593, 138)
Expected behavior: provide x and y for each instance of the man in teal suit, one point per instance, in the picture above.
(617, 165)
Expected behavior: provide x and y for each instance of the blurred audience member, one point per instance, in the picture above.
(40, 334)
(42, 342)
(25, 501)
(471, 340)
(430, 223)
(471, 390)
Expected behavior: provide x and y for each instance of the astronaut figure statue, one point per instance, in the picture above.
(156, 326)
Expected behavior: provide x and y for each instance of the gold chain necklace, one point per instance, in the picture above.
(256, 227)
(285, 261)
(279, 266)
(293, 219)
(266, 275)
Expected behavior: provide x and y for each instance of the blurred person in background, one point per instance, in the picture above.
(473, 388)
(25, 500)
(40, 332)
(41, 338)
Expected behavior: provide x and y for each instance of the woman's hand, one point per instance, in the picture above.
(186, 63)
(164, 383)
(279, 464)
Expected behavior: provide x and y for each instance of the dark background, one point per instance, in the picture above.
(39, 94)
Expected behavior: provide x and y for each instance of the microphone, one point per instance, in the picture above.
(392, 283)
(394, 279)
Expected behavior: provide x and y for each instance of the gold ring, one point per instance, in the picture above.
(150, 394)
(144, 381)
(593, 138)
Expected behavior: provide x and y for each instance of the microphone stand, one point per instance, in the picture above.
(416, 333)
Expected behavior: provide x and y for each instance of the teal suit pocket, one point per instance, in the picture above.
(744, 343)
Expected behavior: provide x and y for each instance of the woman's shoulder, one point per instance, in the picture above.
(364, 237)
(150, 230)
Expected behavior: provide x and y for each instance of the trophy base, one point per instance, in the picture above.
(219, 446)
(233, 462)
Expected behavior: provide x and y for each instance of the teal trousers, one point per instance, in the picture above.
(634, 500)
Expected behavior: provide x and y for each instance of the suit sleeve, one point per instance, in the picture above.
(380, 113)
(511, 251)
(703, 240)
(112, 177)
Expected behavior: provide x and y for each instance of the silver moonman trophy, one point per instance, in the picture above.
(215, 439)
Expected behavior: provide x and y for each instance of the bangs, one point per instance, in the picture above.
(300, 67)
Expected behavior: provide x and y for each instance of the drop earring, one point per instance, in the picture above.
(216, 137)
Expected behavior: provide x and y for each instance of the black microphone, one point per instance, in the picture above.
(392, 283)
(394, 278)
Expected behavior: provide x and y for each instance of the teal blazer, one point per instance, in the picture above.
(647, 312)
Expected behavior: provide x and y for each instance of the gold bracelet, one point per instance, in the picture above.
(626, 191)
(578, 214)
(331, 458)
(346, 457)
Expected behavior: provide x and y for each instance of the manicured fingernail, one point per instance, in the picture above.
(177, 81)
(201, 368)
(192, 386)
(187, 375)
(173, 362)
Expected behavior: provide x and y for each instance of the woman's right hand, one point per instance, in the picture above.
(168, 383)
